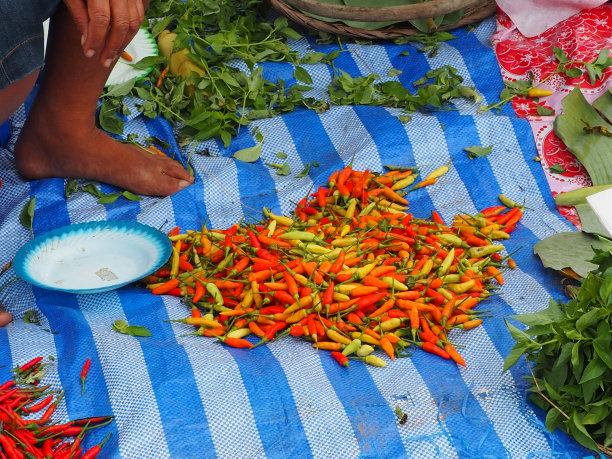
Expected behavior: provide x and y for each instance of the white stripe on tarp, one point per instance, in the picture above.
(432, 147)
(326, 423)
(430, 151)
(289, 189)
(402, 386)
(351, 139)
(221, 190)
(516, 180)
(224, 397)
(484, 31)
(132, 399)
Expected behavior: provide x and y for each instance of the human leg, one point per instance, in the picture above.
(60, 139)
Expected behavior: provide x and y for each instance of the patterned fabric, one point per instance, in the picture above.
(185, 396)
(581, 37)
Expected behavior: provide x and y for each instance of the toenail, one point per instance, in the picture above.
(108, 62)
(90, 53)
(183, 184)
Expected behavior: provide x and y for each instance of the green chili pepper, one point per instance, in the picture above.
(364, 350)
(508, 202)
(479, 252)
(352, 347)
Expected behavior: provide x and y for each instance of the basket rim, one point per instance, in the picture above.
(384, 13)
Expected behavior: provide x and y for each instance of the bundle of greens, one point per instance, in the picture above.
(208, 83)
(568, 345)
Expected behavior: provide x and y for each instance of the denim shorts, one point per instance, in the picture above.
(21, 37)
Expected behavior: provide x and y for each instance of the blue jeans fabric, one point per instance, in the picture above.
(21, 37)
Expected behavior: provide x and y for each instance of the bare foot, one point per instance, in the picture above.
(5, 317)
(45, 151)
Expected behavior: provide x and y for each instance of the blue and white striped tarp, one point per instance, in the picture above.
(188, 397)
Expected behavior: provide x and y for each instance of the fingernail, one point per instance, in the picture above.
(183, 184)
(108, 62)
(82, 40)
(90, 53)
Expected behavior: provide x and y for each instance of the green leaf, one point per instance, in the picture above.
(557, 169)
(290, 33)
(594, 369)
(27, 214)
(587, 320)
(31, 317)
(122, 89)
(573, 72)
(131, 196)
(544, 111)
(302, 75)
(281, 155)
(404, 53)
(304, 172)
(313, 58)
(108, 198)
(71, 187)
(560, 55)
(404, 118)
(283, 170)
(567, 250)
(122, 326)
(478, 151)
(601, 343)
(248, 155)
(108, 118)
(513, 357)
(554, 419)
(394, 72)
(148, 62)
(578, 431)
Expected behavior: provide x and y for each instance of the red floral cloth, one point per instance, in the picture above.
(581, 37)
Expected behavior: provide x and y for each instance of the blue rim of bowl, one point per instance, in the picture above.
(22, 255)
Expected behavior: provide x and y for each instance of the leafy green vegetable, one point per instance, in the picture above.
(248, 155)
(568, 345)
(589, 221)
(27, 214)
(283, 170)
(557, 169)
(281, 155)
(122, 326)
(593, 150)
(103, 198)
(478, 151)
(131, 196)
(302, 75)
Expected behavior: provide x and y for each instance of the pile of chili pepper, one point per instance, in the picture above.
(351, 272)
(23, 436)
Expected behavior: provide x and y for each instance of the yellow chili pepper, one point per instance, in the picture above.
(537, 92)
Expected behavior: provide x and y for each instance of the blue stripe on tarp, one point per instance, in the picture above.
(282, 434)
(51, 208)
(6, 360)
(171, 375)
(373, 421)
(63, 313)
(5, 134)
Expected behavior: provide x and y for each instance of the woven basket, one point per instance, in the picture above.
(475, 10)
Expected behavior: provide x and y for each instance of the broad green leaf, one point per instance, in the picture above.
(595, 415)
(394, 72)
(593, 150)
(108, 198)
(560, 55)
(512, 358)
(302, 75)
(567, 250)
(148, 61)
(478, 151)
(290, 33)
(554, 420)
(587, 320)
(572, 198)
(519, 336)
(589, 221)
(27, 214)
(313, 58)
(108, 118)
(283, 170)
(560, 369)
(603, 104)
(281, 155)
(248, 155)
(578, 431)
(601, 343)
(573, 72)
(594, 369)
(121, 89)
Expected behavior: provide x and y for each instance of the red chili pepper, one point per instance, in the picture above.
(269, 310)
(84, 372)
(39, 406)
(321, 196)
(367, 301)
(433, 349)
(31, 364)
(174, 231)
(340, 358)
(266, 255)
(199, 291)
(274, 329)
(160, 80)
(435, 216)
(328, 296)
(6, 385)
(238, 343)
(284, 297)
(95, 450)
(296, 330)
(8, 394)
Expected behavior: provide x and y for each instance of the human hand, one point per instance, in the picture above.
(106, 26)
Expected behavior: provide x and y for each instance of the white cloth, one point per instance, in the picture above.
(532, 17)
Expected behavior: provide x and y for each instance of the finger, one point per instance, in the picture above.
(80, 16)
(135, 21)
(98, 27)
(119, 28)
